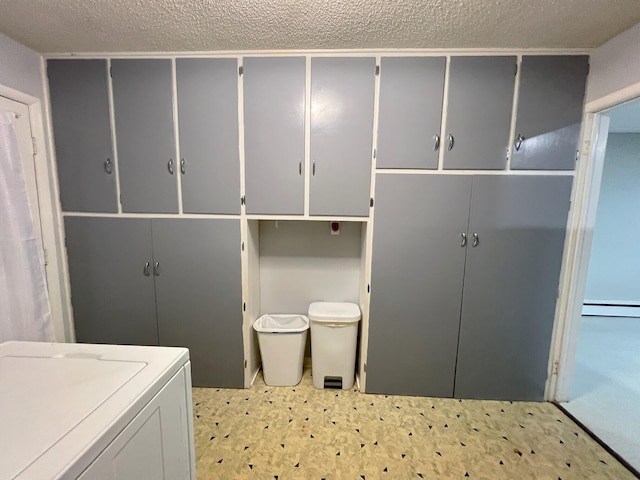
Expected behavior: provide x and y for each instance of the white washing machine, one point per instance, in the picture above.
(72, 411)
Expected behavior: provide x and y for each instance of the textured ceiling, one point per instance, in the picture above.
(204, 25)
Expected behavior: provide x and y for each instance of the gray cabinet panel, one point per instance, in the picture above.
(274, 113)
(479, 110)
(342, 91)
(208, 123)
(113, 300)
(142, 101)
(199, 296)
(416, 285)
(82, 134)
(510, 285)
(550, 104)
(411, 91)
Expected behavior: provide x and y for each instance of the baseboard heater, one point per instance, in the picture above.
(333, 382)
(602, 309)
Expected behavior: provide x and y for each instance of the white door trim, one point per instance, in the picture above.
(50, 212)
(586, 192)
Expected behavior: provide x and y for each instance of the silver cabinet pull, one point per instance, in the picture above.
(436, 142)
(450, 146)
(313, 171)
(170, 166)
(183, 166)
(146, 269)
(476, 240)
(463, 239)
(299, 168)
(108, 166)
(519, 139)
(156, 269)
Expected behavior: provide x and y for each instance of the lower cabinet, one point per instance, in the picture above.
(464, 284)
(171, 282)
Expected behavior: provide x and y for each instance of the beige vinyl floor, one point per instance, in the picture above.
(278, 433)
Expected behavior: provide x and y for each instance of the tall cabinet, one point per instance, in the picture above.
(463, 293)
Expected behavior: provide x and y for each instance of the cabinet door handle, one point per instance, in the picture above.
(170, 166)
(436, 142)
(450, 146)
(156, 269)
(519, 139)
(299, 168)
(146, 269)
(463, 239)
(313, 171)
(183, 166)
(476, 240)
(108, 166)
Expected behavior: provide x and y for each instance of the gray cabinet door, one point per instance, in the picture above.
(82, 135)
(342, 91)
(143, 107)
(112, 289)
(416, 284)
(550, 103)
(410, 110)
(480, 102)
(208, 123)
(274, 115)
(199, 296)
(510, 285)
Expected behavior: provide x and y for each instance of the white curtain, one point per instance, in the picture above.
(24, 302)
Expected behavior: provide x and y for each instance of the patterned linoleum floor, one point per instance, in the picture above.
(304, 433)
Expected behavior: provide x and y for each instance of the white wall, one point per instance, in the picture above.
(615, 65)
(301, 262)
(614, 266)
(20, 67)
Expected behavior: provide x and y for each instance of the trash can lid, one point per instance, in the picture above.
(281, 324)
(334, 312)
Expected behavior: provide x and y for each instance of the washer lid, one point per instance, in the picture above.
(334, 312)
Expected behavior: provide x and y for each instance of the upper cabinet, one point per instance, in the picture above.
(342, 97)
(480, 102)
(274, 138)
(550, 104)
(208, 126)
(80, 115)
(143, 107)
(410, 112)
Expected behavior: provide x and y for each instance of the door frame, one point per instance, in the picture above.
(584, 203)
(50, 212)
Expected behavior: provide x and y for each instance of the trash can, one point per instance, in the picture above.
(334, 334)
(282, 339)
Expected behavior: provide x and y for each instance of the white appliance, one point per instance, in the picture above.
(72, 411)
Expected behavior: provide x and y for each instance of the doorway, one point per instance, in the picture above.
(22, 127)
(604, 391)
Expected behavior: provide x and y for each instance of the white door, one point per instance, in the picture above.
(22, 127)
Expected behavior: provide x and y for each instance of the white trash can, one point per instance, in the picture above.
(282, 339)
(334, 335)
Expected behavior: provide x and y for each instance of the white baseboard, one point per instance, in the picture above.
(611, 310)
(255, 375)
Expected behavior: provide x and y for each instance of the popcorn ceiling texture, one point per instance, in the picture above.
(64, 26)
